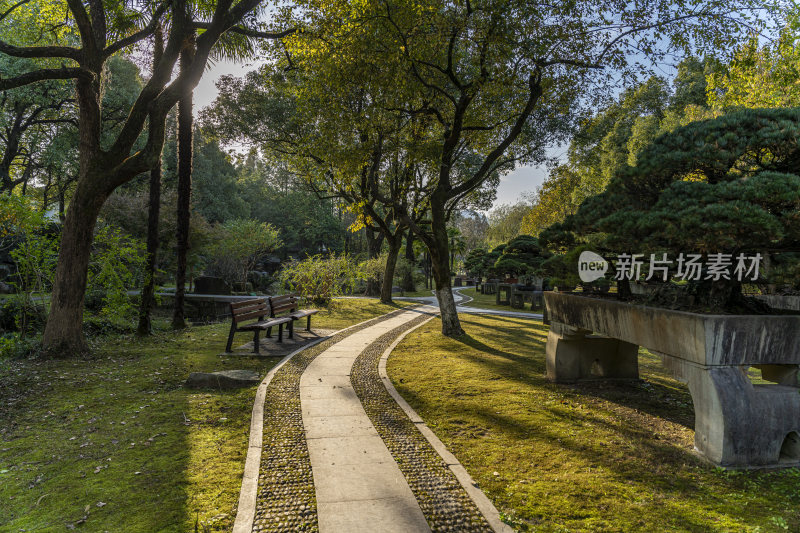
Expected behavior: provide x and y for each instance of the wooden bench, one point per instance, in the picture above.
(253, 312)
(288, 304)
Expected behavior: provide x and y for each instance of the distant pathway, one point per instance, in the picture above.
(462, 299)
(339, 455)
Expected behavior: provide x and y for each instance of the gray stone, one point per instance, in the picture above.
(226, 379)
(737, 423)
(780, 301)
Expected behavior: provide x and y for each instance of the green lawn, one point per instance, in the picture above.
(115, 443)
(487, 301)
(418, 293)
(599, 457)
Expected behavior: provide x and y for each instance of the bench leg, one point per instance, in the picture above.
(256, 342)
(269, 332)
(308, 323)
(280, 332)
(229, 346)
(291, 329)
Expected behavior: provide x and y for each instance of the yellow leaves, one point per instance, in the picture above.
(362, 220)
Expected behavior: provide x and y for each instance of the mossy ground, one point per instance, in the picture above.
(488, 301)
(600, 457)
(113, 442)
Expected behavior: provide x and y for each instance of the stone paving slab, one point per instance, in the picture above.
(347, 450)
(326, 392)
(443, 500)
(357, 482)
(340, 426)
(365, 517)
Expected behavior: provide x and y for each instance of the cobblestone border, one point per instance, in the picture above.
(484, 504)
(444, 502)
(286, 500)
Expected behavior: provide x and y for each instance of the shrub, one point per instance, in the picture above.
(727, 185)
(319, 278)
(237, 245)
(522, 255)
(116, 267)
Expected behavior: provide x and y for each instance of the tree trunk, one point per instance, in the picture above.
(153, 212)
(63, 334)
(440, 261)
(395, 243)
(148, 290)
(185, 125)
(408, 278)
(374, 242)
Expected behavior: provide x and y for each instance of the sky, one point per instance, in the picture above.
(511, 188)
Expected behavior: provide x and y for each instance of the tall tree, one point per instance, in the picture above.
(185, 127)
(147, 299)
(102, 29)
(499, 80)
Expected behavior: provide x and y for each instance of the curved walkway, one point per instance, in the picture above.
(336, 453)
(461, 307)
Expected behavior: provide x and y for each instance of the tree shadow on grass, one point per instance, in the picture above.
(622, 449)
(117, 443)
(655, 396)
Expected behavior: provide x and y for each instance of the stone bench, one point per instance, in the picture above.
(737, 423)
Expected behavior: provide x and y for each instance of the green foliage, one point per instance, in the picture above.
(320, 278)
(478, 262)
(116, 267)
(373, 269)
(23, 230)
(505, 222)
(216, 193)
(759, 76)
(552, 201)
(725, 185)
(522, 255)
(613, 137)
(237, 245)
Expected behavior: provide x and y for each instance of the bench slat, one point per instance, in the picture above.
(250, 315)
(247, 303)
(251, 309)
(304, 312)
(265, 324)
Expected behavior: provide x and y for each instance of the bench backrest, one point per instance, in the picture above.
(249, 310)
(282, 304)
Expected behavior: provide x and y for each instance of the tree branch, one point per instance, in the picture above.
(43, 74)
(535, 91)
(12, 8)
(248, 32)
(40, 51)
(139, 35)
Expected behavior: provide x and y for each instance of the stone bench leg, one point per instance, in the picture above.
(741, 424)
(576, 355)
